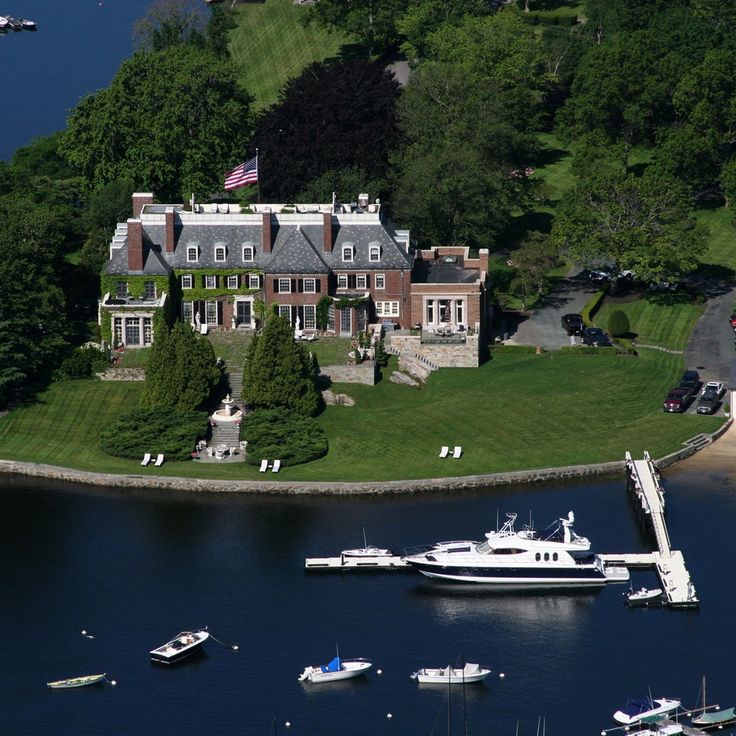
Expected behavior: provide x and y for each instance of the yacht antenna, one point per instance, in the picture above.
(365, 542)
(496, 519)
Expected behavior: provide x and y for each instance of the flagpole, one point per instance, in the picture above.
(258, 180)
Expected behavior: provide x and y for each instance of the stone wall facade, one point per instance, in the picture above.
(365, 373)
(115, 373)
(462, 355)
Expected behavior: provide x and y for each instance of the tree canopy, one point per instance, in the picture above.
(172, 121)
(181, 371)
(337, 114)
(279, 373)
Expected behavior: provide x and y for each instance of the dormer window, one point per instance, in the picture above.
(192, 254)
(220, 253)
(374, 253)
(248, 252)
(348, 251)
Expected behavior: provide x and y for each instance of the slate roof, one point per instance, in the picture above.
(295, 249)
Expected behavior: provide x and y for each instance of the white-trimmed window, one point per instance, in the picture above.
(285, 311)
(374, 253)
(310, 286)
(361, 281)
(232, 282)
(248, 252)
(210, 311)
(187, 281)
(118, 330)
(220, 254)
(348, 251)
(387, 309)
(342, 281)
(379, 281)
(192, 254)
(149, 289)
(254, 281)
(147, 330)
(187, 312)
(310, 317)
(459, 312)
(210, 281)
(121, 289)
(284, 286)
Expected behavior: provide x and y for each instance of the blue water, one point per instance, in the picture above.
(76, 50)
(136, 568)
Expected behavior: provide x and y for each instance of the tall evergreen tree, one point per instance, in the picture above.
(278, 373)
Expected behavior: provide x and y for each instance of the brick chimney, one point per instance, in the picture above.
(140, 199)
(483, 260)
(327, 230)
(170, 240)
(135, 245)
(266, 232)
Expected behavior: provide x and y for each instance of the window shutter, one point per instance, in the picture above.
(293, 286)
(300, 285)
(317, 285)
(276, 286)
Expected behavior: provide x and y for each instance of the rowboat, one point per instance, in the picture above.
(76, 682)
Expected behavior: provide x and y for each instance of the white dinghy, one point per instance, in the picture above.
(337, 669)
(452, 675)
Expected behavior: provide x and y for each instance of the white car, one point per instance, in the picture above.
(719, 388)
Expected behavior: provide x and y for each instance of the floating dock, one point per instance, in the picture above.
(644, 483)
(345, 563)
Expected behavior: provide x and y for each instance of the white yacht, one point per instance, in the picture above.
(554, 557)
(645, 710)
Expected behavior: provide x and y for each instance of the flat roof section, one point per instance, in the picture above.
(444, 270)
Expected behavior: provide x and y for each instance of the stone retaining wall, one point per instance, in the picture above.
(361, 373)
(122, 374)
(463, 355)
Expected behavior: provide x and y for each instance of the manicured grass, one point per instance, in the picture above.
(661, 319)
(722, 242)
(270, 46)
(135, 357)
(330, 350)
(231, 346)
(514, 412)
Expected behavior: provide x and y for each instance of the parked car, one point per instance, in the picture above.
(573, 324)
(678, 400)
(691, 380)
(709, 400)
(719, 388)
(732, 320)
(596, 337)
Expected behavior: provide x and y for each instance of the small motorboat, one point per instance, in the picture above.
(13, 24)
(370, 551)
(26, 24)
(644, 597)
(452, 675)
(3, 23)
(337, 669)
(76, 682)
(637, 709)
(182, 645)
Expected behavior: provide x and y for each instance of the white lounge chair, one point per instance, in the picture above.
(264, 466)
(204, 329)
(159, 460)
(445, 451)
(146, 459)
(457, 452)
(276, 466)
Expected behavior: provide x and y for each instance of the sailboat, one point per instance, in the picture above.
(715, 718)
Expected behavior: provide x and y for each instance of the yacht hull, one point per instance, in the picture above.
(550, 577)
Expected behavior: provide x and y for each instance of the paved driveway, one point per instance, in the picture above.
(543, 326)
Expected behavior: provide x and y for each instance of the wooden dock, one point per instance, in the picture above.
(644, 483)
(345, 563)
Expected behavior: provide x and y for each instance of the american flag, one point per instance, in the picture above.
(242, 174)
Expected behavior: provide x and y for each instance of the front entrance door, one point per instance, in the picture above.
(242, 312)
(346, 322)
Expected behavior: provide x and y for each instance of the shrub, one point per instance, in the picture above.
(593, 305)
(162, 429)
(618, 323)
(514, 349)
(277, 434)
(84, 362)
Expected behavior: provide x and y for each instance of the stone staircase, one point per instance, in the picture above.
(225, 435)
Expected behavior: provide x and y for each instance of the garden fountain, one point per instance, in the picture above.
(226, 415)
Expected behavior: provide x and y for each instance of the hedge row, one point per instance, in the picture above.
(277, 434)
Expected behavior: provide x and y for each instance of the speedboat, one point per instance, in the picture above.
(76, 682)
(369, 551)
(182, 645)
(644, 597)
(26, 24)
(3, 23)
(638, 709)
(554, 557)
(13, 24)
(337, 669)
(452, 675)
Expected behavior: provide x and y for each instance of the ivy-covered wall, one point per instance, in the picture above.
(199, 293)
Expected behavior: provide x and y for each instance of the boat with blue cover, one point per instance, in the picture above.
(337, 669)
(643, 710)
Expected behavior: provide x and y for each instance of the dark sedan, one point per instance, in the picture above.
(678, 400)
(709, 402)
(573, 324)
(691, 380)
(596, 337)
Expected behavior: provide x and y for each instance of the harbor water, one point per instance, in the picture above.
(76, 50)
(133, 569)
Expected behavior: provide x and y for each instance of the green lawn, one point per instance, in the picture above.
(135, 357)
(515, 412)
(721, 244)
(330, 350)
(231, 346)
(270, 46)
(659, 319)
